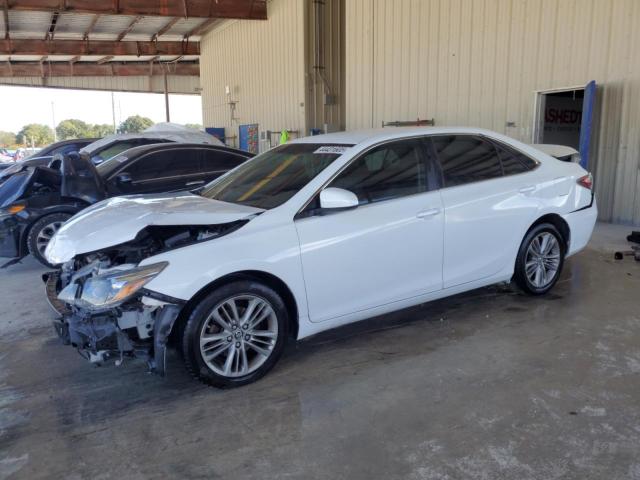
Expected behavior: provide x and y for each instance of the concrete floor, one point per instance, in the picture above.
(489, 385)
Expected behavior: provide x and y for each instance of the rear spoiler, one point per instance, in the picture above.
(560, 152)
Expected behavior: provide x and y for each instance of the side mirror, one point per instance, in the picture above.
(123, 177)
(337, 198)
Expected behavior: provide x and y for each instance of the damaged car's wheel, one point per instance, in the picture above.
(236, 334)
(41, 232)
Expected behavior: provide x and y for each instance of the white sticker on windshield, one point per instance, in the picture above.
(121, 159)
(335, 149)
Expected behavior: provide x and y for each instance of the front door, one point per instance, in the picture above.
(387, 249)
(164, 171)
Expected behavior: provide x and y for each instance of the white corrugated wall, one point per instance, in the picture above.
(478, 63)
(325, 81)
(176, 83)
(263, 63)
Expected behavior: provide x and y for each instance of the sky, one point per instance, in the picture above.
(23, 105)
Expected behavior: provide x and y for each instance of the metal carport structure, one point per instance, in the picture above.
(119, 45)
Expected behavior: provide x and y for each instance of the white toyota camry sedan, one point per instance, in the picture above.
(311, 235)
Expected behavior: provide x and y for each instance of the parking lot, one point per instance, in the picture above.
(489, 384)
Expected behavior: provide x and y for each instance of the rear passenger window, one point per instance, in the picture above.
(514, 162)
(466, 159)
(166, 163)
(390, 171)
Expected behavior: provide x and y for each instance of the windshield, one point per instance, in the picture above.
(7, 172)
(272, 178)
(106, 168)
(13, 188)
(111, 151)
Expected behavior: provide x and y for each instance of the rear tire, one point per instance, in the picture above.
(235, 335)
(540, 259)
(41, 232)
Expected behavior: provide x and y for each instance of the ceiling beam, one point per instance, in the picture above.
(200, 29)
(52, 27)
(96, 47)
(129, 28)
(91, 26)
(91, 69)
(166, 28)
(239, 9)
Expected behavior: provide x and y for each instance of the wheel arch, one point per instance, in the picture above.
(558, 222)
(68, 208)
(266, 278)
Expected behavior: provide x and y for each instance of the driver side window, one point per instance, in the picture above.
(389, 171)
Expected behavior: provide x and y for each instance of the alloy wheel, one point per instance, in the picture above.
(45, 235)
(239, 335)
(542, 260)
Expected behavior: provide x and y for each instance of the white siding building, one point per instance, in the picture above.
(514, 66)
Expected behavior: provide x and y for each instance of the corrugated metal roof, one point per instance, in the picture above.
(112, 25)
(29, 24)
(147, 27)
(73, 25)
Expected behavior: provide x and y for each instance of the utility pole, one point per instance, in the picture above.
(113, 111)
(166, 97)
(53, 118)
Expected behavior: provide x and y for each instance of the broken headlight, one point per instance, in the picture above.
(105, 291)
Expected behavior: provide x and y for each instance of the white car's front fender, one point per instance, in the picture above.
(275, 251)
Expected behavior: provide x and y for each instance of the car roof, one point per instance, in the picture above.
(173, 135)
(62, 143)
(76, 140)
(154, 147)
(355, 137)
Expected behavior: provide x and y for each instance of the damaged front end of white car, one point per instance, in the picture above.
(106, 312)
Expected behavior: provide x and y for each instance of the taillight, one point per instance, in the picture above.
(586, 181)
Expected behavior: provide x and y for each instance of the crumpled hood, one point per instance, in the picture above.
(119, 219)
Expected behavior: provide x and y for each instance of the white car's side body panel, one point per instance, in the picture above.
(353, 264)
(351, 259)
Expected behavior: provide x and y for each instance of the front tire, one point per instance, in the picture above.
(540, 259)
(235, 335)
(41, 232)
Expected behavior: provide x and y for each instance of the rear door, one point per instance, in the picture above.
(489, 200)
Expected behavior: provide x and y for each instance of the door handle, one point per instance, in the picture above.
(428, 213)
(197, 182)
(528, 189)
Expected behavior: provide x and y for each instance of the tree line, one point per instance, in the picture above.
(39, 135)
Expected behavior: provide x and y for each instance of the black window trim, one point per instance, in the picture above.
(431, 156)
(495, 144)
(130, 162)
(300, 214)
(509, 148)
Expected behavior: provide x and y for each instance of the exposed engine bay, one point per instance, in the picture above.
(106, 313)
